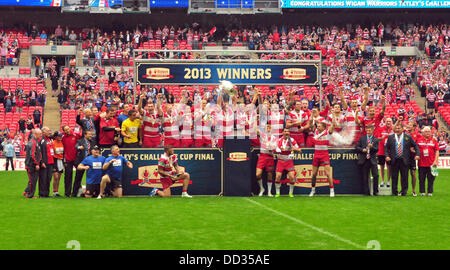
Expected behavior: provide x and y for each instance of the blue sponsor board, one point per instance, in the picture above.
(364, 4)
(346, 173)
(203, 164)
(239, 74)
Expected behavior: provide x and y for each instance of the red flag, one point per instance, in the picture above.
(212, 31)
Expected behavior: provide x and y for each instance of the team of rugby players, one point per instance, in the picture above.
(275, 130)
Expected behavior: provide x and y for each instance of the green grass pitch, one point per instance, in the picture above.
(224, 223)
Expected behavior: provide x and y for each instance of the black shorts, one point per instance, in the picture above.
(58, 167)
(92, 190)
(413, 164)
(115, 183)
(381, 160)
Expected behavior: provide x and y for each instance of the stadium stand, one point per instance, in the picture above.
(348, 54)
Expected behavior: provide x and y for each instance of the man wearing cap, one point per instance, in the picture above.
(93, 165)
(367, 148)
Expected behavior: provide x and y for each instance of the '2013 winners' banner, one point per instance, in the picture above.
(203, 164)
(241, 74)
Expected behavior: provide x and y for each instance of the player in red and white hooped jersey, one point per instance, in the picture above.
(382, 135)
(317, 117)
(265, 160)
(285, 147)
(253, 125)
(187, 126)
(151, 121)
(169, 173)
(276, 119)
(321, 155)
(354, 117)
(295, 122)
(241, 120)
(338, 117)
(171, 127)
(373, 119)
(203, 121)
(225, 123)
(306, 130)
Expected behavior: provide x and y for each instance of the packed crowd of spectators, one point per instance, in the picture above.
(354, 65)
(14, 100)
(433, 80)
(306, 37)
(92, 90)
(9, 49)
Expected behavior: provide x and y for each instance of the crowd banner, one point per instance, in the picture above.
(444, 162)
(242, 74)
(237, 167)
(345, 171)
(208, 166)
(203, 164)
(19, 164)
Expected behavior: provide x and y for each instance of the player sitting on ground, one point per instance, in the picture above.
(169, 173)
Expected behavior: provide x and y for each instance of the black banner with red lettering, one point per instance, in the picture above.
(206, 167)
(344, 168)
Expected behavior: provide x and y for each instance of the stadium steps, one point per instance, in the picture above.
(52, 115)
(24, 60)
(79, 58)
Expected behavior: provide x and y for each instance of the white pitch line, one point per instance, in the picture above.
(337, 237)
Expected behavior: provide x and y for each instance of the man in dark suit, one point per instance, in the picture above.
(367, 147)
(83, 147)
(398, 151)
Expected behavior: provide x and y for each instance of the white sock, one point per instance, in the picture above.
(277, 187)
(291, 188)
(313, 189)
(269, 187)
(260, 184)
